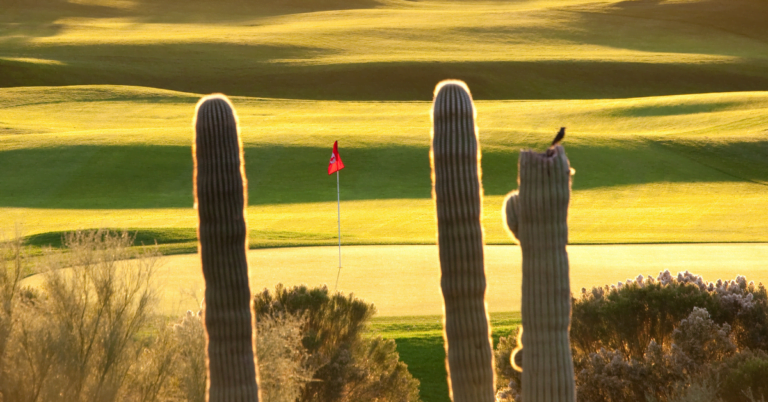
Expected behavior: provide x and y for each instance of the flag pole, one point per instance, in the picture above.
(338, 210)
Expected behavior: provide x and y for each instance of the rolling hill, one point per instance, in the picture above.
(390, 49)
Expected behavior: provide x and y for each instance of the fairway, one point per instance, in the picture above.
(405, 280)
(677, 169)
(666, 106)
(388, 49)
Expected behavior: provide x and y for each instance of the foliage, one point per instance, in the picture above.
(189, 377)
(12, 266)
(92, 334)
(629, 315)
(283, 371)
(350, 366)
(703, 390)
(283, 362)
(664, 339)
(610, 376)
(78, 340)
(685, 327)
(508, 380)
(742, 377)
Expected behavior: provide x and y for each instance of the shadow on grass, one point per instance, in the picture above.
(425, 357)
(135, 177)
(39, 14)
(259, 70)
(143, 237)
(740, 17)
(245, 70)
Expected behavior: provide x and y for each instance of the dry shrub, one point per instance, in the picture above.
(77, 339)
(189, 376)
(13, 263)
(92, 334)
(283, 368)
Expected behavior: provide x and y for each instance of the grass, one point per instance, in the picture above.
(696, 160)
(385, 49)
(420, 344)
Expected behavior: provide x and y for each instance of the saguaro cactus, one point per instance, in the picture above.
(537, 216)
(220, 198)
(457, 191)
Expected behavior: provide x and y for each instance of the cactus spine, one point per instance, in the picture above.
(537, 216)
(220, 198)
(457, 191)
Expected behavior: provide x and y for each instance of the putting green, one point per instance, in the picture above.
(405, 280)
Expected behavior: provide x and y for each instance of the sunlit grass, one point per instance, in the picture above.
(113, 115)
(652, 213)
(390, 49)
(687, 168)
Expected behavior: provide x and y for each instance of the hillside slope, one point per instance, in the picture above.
(390, 49)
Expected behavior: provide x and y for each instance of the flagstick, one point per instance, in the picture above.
(338, 207)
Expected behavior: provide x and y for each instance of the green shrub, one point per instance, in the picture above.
(654, 337)
(508, 380)
(664, 339)
(743, 378)
(627, 316)
(347, 365)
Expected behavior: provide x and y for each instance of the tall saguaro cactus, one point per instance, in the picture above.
(537, 216)
(457, 191)
(220, 189)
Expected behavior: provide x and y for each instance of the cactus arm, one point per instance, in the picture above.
(220, 198)
(511, 212)
(457, 191)
(537, 216)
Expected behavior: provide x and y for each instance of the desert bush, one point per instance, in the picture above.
(611, 376)
(685, 326)
(702, 390)
(155, 365)
(347, 365)
(77, 339)
(283, 371)
(12, 266)
(627, 316)
(189, 377)
(508, 380)
(668, 338)
(14, 263)
(283, 362)
(742, 377)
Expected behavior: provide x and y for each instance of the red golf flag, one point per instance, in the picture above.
(335, 164)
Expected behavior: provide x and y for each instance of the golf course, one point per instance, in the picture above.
(665, 105)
